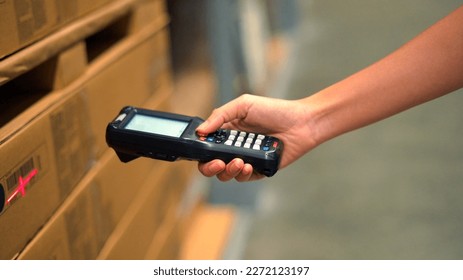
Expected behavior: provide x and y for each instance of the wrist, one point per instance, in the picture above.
(312, 123)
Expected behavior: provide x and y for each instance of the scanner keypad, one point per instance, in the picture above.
(241, 139)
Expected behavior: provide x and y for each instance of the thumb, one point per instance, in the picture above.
(205, 128)
(210, 125)
(226, 113)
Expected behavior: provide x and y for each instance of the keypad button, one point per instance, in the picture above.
(241, 139)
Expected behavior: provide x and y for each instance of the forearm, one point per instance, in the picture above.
(427, 67)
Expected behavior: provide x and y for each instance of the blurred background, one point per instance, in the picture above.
(392, 190)
(388, 191)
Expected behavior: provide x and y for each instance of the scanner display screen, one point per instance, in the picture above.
(157, 125)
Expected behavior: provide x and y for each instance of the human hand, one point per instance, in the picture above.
(284, 119)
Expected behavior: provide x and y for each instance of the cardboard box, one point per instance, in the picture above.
(155, 205)
(51, 243)
(167, 241)
(24, 22)
(147, 11)
(117, 20)
(48, 130)
(127, 75)
(137, 64)
(54, 135)
(29, 89)
(93, 209)
(41, 162)
(90, 212)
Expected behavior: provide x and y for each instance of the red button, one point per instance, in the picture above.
(275, 144)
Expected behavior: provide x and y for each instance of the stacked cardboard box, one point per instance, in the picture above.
(63, 193)
(24, 22)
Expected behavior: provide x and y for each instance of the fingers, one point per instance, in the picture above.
(236, 109)
(246, 174)
(236, 169)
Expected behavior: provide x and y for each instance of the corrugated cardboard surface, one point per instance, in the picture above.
(71, 198)
(153, 209)
(140, 69)
(90, 213)
(60, 158)
(48, 146)
(29, 95)
(45, 149)
(129, 15)
(23, 22)
(95, 208)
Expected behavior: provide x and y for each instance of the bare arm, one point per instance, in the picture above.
(425, 68)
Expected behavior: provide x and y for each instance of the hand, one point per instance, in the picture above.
(284, 119)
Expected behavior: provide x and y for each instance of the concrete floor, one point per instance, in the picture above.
(393, 190)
